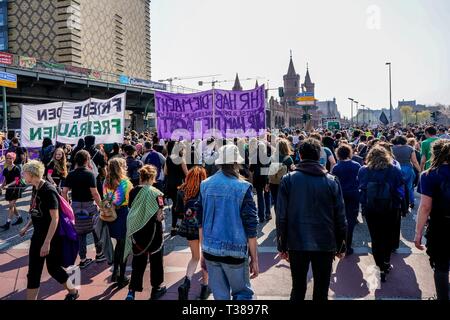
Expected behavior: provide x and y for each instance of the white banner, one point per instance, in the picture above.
(67, 122)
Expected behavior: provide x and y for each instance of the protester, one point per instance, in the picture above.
(260, 165)
(116, 192)
(85, 201)
(347, 172)
(156, 159)
(98, 160)
(115, 153)
(175, 170)
(11, 183)
(283, 163)
(380, 184)
(133, 165)
(406, 156)
(80, 146)
(57, 169)
(46, 243)
(435, 190)
(187, 197)
(228, 221)
(430, 134)
(145, 235)
(310, 200)
(46, 152)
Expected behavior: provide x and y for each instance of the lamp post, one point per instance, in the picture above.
(351, 111)
(357, 115)
(390, 90)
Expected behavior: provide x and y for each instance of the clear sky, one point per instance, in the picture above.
(345, 42)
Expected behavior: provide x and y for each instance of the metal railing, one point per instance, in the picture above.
(37, 65)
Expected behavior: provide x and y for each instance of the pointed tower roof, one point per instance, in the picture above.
(307, 77)
(256, 85)
(291, 70)
(237, 84)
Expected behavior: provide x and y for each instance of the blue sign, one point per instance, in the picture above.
(5, 76)
(305, 94)
(124, 79)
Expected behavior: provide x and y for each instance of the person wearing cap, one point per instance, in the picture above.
(228, 221)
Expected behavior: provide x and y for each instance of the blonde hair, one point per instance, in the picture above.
(34, 168)
(379, 158)
(117, 171)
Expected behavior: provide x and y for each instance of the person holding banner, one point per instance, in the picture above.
(12, 184)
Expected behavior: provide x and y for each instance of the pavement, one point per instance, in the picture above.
(353, 278)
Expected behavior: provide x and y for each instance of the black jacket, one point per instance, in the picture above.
(311, 211)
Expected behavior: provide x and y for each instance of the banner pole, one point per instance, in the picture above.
(214, 107)
(59, 122)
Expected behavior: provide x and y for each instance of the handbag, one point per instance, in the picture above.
(108, 211)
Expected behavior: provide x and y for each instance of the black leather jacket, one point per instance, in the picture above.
(311, 211)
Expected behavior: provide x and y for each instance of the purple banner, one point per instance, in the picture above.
(190, 116)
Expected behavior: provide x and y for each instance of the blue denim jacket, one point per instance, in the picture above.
(227, 214)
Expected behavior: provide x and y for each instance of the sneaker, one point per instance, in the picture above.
(100, 258)
(72, 296)
(84, 264)
(205, 292)
(18, 221)
(131, 296)
(158, 293)
(6, 226)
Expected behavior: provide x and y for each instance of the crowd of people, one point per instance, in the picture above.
(317, 184)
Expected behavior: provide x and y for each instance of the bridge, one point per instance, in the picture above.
(42, 82)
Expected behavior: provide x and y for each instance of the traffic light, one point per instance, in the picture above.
(281, 92)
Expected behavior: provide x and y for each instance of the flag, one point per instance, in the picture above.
(384, 119)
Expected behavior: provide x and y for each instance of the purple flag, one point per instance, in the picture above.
(190, 116)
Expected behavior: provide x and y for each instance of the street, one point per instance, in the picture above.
(353, 278)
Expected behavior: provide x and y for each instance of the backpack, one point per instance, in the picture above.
(67, 232)
(277, 171)
(379, 195)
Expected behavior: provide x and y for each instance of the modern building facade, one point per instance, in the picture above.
(105, 35)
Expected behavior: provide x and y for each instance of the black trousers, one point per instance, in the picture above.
(383, 232)
(156, 270)
(441, 267)
(118, 258)
(54, 263)
(322, 265)
(351, 213)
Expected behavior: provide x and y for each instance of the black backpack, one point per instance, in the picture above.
(379, 194)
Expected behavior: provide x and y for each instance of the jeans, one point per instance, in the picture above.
(409, 175)
(322, 265)
(264, 203)
(83, 245)
(227, 280)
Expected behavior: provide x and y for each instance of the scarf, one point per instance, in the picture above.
(144, 207)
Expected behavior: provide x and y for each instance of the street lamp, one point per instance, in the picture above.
(351, 111)
(390, 90)
(357, 115)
